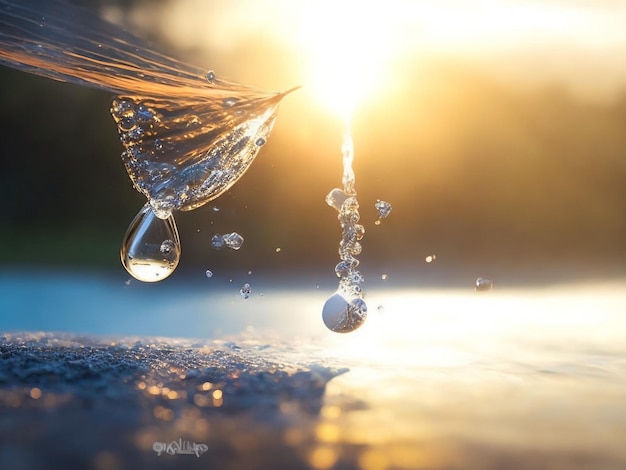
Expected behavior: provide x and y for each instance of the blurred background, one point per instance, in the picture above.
(495, 130)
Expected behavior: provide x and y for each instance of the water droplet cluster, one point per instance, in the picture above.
(346, 310)
(234, 241)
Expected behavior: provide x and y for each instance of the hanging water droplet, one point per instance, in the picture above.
(260, 142)
(245, 291)
(210, 76)
(342, 316)
(151, 248)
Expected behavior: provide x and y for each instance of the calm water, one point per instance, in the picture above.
(515, 378)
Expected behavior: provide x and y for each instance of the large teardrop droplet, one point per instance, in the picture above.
(151, 247)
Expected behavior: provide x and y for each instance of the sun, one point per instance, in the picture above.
(347, 45)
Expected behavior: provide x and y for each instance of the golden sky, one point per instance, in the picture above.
(341, 51)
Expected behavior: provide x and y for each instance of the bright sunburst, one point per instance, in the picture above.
(347, 45)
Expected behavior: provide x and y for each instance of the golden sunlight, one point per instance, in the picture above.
(345, 52)
(348, 45)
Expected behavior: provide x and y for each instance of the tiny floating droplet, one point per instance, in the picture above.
(151, 248)
(245, 291)
(342, 316)
(260, 142)
(483, 285)
(383, 277)
(215, 209)
(277, 250)
(233, 240)
(430, 258)
(383, 208)
(210, 76)
(209, 273)
(217, 242)
(229, 102)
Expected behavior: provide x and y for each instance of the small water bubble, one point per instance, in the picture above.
(209, 273)
(249, 273)
(430, 258)
(335, 198)
(127, 282)
(380, 308)
(158, 144)
(245, 291)
(210, 76)
(217, 242)
(359, 231)
(167, 247)
(358, 307)
(260, 142)
(277, 250)
(383, 277)
(233, 240)
(229, 102)
(215, 209)
(342, 268)
(483, 284)
(383, 208)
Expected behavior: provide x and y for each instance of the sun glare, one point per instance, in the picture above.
(347, 46)
(344, 53)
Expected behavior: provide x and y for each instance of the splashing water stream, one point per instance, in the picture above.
(345, 310)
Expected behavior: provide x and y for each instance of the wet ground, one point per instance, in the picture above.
(436, 379)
